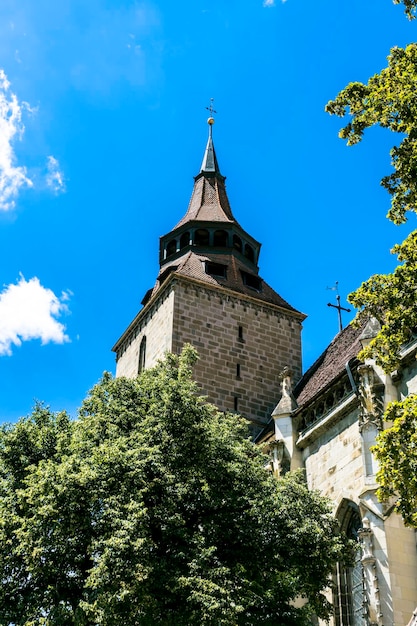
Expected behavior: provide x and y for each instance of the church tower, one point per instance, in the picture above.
(208, 293)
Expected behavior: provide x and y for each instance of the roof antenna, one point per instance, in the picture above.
(338, 305)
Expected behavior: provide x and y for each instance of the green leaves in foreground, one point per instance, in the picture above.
(391, 299)
(396, 451)
(410, 7)
(388, 100)
(154, 508)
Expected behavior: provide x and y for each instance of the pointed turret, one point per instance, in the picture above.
(209, 201)
(210, 163)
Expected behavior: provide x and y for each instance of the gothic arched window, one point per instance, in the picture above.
(142, 355)
(348, 598)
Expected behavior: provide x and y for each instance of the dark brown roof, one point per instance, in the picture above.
(330, 364)
(192, 265)
(209, 202)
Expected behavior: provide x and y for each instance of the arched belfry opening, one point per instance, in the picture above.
(202, 237)
(220, 238)
(184, 240)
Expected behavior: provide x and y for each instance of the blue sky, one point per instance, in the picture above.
(102, 128)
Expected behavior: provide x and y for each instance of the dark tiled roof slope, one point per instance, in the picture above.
(330, 364)
(209, 202)
(192, 266)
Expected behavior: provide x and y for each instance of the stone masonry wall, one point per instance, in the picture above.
(156, 324)
(402, 559)
(334, 463)
(243, 346)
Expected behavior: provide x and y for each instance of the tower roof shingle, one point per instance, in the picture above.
(209, 201)
(193, 265)
(330, 364)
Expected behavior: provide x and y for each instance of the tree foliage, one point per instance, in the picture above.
(396, 451)
(410, 7)
(389, 100)
(154, 508)
(391, 299)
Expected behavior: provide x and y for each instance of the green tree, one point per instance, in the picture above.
(396, 451)
(389, 100)
(410, 7)
(154, 508)
(391, 299)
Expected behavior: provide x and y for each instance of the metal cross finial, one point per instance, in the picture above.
(210, 108)
(338, 305)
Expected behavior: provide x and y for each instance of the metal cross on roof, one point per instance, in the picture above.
(210, 108)
(338, 305)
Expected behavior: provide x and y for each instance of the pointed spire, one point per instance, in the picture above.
(210, 163)
(209, 201)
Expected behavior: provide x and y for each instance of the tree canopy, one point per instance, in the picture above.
(391, 299)
(410, 7)
(154, 508)
(389, 100)
(396, 451)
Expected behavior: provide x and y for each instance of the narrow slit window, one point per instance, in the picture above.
(142, 355)
(240, 333)
(235, 403)
(238, 370)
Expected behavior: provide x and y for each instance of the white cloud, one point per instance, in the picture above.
(12, 177)
(54, 177)
(269, 3)
(29, 311)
